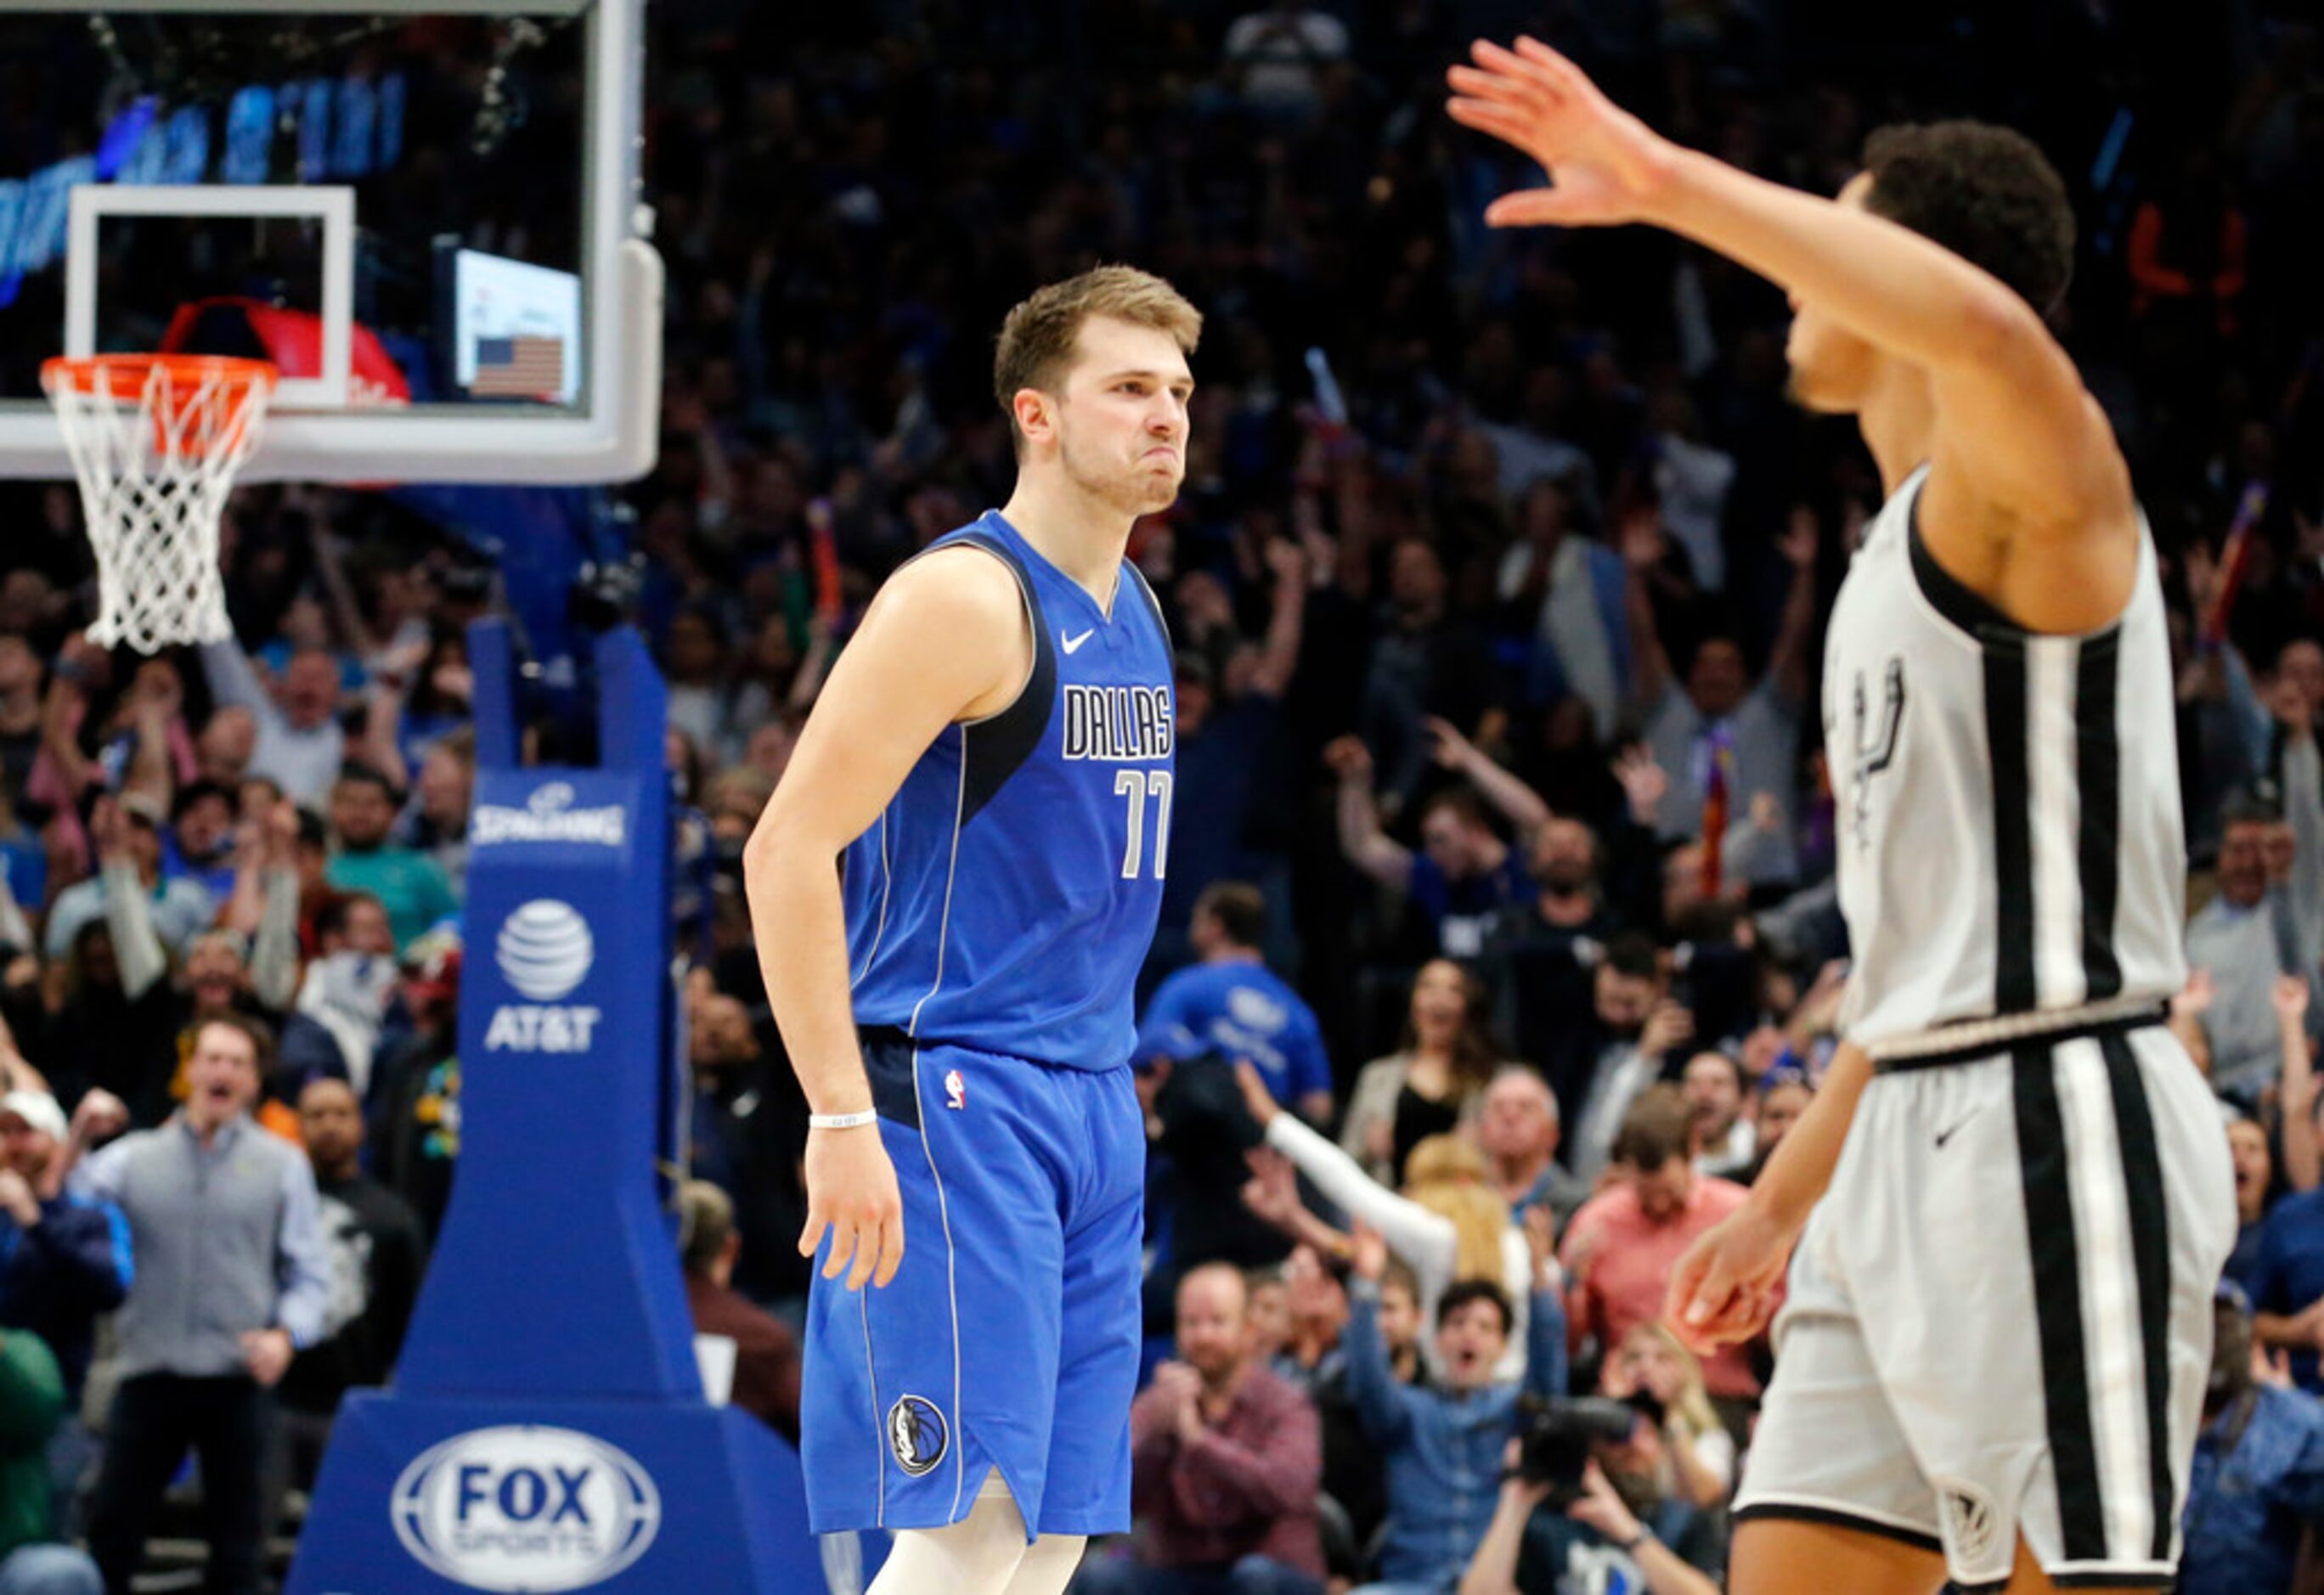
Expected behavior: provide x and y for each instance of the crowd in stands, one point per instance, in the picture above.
(1499, 947)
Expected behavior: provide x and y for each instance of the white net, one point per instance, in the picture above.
(155, 441)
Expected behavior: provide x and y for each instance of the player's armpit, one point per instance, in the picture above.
(2056, 559)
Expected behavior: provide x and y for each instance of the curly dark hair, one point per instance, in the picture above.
(1987, 193)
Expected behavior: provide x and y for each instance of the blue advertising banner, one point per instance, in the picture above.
(547, 1428)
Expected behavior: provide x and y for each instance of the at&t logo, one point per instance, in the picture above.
(526, 1508)
(544, 950)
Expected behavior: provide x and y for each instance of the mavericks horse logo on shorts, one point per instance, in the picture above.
(915, 1433)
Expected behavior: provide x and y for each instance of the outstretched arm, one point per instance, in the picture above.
(1519, 804)
(2024, 462)
(1279, 656)
(1366, 846)
(1787, 661)
(889, 695)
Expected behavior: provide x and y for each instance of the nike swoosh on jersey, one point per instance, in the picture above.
(1073, 643)
(1946, 1135)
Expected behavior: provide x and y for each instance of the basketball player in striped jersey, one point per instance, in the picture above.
(2005, 1211)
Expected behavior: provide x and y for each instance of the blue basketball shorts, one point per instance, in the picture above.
(1009, 1338)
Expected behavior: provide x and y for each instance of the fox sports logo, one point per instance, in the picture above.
(526, 1510)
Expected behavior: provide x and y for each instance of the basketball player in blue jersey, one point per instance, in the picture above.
(2007, 1209)
(990, 766)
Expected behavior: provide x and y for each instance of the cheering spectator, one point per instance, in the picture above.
(1783, 1095)
(1517, 1132)
(1231, 1006)
(1433, 1084)
(1701, 1451)
(1228, 712)
(749, 1132)
(2254, 1166)
(300, 743)
(766, 1352)
(1714, 1084)
(2256, 1491)
(65, 1257)
(1720, 716)
(1463, 877)
(1447, 1224)
(1620, 1248)
(1602, 1066)
(127, 834)
(1444, 1441)
(1528, 1551)
(1226, 1462)
(1276, 57)
(231, 1283)
(376, 1254)
(410, 885)
(2268, 918)
(32, 1403)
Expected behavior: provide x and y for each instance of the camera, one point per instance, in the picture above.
(1554, 1445)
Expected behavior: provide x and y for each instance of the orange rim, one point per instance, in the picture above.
(123, 376)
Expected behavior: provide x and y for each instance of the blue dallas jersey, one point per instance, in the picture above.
(1007, 894)
(1238, 1009)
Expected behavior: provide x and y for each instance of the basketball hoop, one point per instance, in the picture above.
(155, 440)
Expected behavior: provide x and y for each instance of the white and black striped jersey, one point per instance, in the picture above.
(2007, 803)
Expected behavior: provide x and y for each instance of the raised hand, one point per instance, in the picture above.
(1348, 758)
(1449, 747)
(1669, 1025)
(1607, 166)
(1288, 561)
(1256, 1097)
(1272, 1192)
(2289, 996)
(1644, 782)
(1800, 539)
(1369, 1256)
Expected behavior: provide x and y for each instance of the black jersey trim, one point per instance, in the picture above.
(2058, 1302)
(1153, 602)
(2098, 776)
(1946, 592)
(995, 748)
(1839, 1518)
(2014, 988)
(2150, 1246)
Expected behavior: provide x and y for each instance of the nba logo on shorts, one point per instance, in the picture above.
(956, 1089)
(915, 1433)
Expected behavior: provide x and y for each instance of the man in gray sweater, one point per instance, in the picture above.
(2267, 919)
(231, 1279)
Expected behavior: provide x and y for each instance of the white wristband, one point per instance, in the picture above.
(843, 1121)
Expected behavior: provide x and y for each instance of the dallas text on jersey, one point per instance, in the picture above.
(1117, 723)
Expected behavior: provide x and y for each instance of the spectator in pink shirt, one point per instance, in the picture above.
(1225, 1459)
(1621, 1246)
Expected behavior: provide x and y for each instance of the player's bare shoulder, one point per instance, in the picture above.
(957, 611)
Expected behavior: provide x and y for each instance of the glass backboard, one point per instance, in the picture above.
(426, 214)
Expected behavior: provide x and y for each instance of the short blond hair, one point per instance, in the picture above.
(1038, 337)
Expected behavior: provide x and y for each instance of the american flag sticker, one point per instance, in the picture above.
(518, 367)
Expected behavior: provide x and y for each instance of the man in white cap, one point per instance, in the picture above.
(64, 1258)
